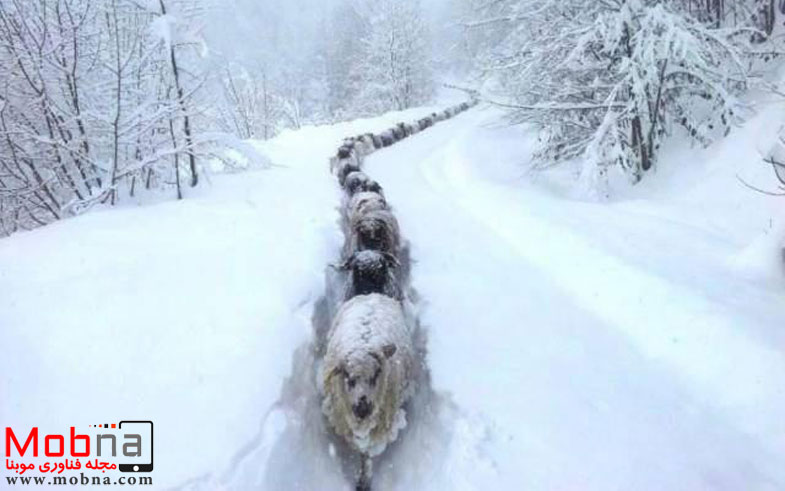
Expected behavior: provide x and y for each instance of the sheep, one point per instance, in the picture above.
(366, 144)
(376, 230)
(388, 138)
(373, 187)
(362, 146)
(345, 151)
(355, 182)
(364, 202)
(377, 141)
(372, 272)
(356, 205)
(346, 167)
(368, 374)
(359, 182)
(404, 130)
(397, 133)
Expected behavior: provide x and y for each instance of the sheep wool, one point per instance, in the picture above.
(362, 333)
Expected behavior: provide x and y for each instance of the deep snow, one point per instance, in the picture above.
(597, 346)
(185, 313)
(635, 344)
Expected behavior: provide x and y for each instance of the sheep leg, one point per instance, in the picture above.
(366, 474)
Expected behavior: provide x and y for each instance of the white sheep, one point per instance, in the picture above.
(367, 374)
(364, 145)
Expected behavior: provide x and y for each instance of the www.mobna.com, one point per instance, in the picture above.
(82, 480)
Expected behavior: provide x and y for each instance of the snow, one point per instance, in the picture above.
(185, 313)
(594, 346)
(631, 344)
(161, 28)
(363, 331)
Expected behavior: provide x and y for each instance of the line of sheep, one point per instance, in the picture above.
(366, 376)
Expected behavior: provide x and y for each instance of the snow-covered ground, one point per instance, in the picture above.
(573, 345)
(621, 345)
(185, 313)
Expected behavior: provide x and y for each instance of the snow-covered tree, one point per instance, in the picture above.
(95, 102)
(379, 57)
(606, 81)
(396, 55)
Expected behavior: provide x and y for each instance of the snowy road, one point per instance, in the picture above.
(572, 345)
(589, 346)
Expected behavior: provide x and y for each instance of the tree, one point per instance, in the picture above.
(379, 58)
(605, 82)
(92, 101)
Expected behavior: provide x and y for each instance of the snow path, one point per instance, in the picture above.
(604, 346)
(191, 314)
(572, 346)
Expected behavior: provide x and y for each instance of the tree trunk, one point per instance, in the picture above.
(181, 101)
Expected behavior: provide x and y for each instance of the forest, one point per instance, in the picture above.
(102, 100)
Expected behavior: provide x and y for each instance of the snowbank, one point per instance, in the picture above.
(586, 345)
(185, 313)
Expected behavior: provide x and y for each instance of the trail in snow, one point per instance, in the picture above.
(294, 449)
(571, 345)
(600, 346)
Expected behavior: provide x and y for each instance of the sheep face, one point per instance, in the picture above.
(367, 372)
(361, 383)
(355, 182)
(346, 167)
(372, 272)
(378, 231)
(345, 151)
(373, 187)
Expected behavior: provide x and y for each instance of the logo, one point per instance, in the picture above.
(126, 446)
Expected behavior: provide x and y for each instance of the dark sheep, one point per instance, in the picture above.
(345, 151)
(377, 142)
(372, 272)
(346, 167)
(373, 187)
(404, 130)
(397, 133)
(388, 138)
(376, 230)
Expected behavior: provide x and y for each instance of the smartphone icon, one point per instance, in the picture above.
(145, 430)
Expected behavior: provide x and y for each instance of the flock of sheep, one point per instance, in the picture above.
(367, 372)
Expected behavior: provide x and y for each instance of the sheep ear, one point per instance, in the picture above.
(338, 370)
(392, 260)
(348, 264)
(389, 350)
